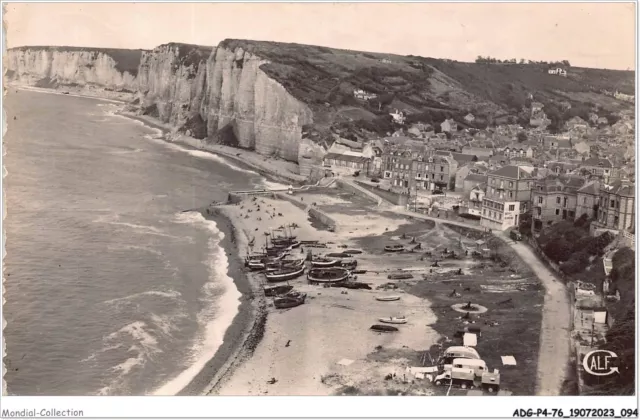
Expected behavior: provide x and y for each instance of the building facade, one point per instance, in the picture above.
(507, 197)
(616, 206)
(588, 198)
(555, 198)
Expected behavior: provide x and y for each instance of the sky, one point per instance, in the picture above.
(600, 35)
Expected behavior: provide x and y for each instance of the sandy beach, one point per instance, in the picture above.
(333, 325)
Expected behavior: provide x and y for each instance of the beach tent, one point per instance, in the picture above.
(470, 340)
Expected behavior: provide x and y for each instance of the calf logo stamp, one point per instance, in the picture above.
(601, 363)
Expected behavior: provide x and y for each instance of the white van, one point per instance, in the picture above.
(457, 352)
(478, 366)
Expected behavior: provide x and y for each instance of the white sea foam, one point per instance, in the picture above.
(217, 316)
(172, 294)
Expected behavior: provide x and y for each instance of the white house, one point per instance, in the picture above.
(558, 71)
(398, 116)
(363, 95)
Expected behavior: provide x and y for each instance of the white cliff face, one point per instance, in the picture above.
(176, 88)
(74, 67)
(225, 88)
(264, 116)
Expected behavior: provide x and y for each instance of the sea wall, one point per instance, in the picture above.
(50, 67)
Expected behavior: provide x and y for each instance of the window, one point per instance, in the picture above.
(510, 184)
(442, 169)
(510, 194)
(564, 202)
(419, 175)
(539, 200)
(557, 200)
(584, 200)
(512, 207)
(441, 177)
(484, 212)
(397, 165)
(500, 216)
(557, 212)
(613, 203)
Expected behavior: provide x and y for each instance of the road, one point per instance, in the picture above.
(555, 333)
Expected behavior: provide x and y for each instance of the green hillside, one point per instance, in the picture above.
(325, 78)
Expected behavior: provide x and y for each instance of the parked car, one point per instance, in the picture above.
(356, 173)
(515, 235)
(375, 180)
(436, 192)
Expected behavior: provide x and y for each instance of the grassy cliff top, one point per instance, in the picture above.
(325, 79)
(126, 60)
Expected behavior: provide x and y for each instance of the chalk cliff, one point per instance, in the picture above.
(50, 67)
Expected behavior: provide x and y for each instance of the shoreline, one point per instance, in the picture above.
(247, 327)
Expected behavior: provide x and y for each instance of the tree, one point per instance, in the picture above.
(522, 137)
(523, 61)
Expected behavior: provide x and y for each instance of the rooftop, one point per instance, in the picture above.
(512, 171)
(345, 158)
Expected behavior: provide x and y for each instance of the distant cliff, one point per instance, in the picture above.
(291, 101)
(51, 67)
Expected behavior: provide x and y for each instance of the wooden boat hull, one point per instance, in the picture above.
(393, 248)
(393, 320)
(388, 298)
(276, 276)
(383, 328)
(277, 290)
(328, 276)
(289, 301)
(400, 276)
(325, 264)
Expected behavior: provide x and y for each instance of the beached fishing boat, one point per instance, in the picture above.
(272, 291)
(349, 265)
(284, 274)
(256, 265)
(400, 276)
(290, 300)
(324, 262)
(394, 248)
(387, 298)
(352, 285)
(327, 275)
(273, 266)
(393, 320)
(353, 251)
(383, 328)
(338, 255)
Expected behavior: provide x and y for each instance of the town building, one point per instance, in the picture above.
(616, 207)
(555, 198)
(601, 167)
(558, 71)
(449, 126)
(346, 163)
(524, 149)
(473, 180)
(398, 116)
(469, 118)
(474, 200)
(435, 173)
(480, 152)
(507, 196)
(363, 95)
(587, 200)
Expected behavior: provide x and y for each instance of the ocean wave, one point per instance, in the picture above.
(142, 229)
(144, 347)
(172, 294)
(217, 316)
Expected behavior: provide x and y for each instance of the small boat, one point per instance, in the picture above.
(349, 265)
(387, 298)
(324, 262)
(338, 255)
(290, 300)
(400, 276)
(327, 275)
(353, 251)
(277, 290)
(273, 266)
(394, 248)
(383, 328)
(359, 271)
(394, 320)
(284, 274)
(353, 285)
(255, 265)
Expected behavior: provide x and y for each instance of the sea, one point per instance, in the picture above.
(113, 286)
